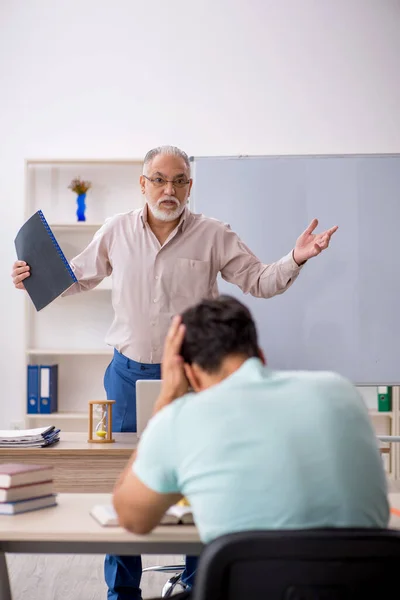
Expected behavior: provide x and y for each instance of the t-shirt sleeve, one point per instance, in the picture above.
(155, 461)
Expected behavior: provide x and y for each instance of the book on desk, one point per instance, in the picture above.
(175, 515)
(24, 488)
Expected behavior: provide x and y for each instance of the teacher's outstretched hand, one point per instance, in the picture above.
(311, 244)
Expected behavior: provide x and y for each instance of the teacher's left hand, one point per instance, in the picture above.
(310, 244)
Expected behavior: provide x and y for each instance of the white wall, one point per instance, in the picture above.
(114, 78)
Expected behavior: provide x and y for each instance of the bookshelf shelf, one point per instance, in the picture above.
(67, 351)
(58, 415)
(377, 413)
(73, 227)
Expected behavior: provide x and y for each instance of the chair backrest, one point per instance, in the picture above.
(325, 564)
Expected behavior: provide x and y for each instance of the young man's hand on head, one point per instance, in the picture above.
(139, 507)
(174, 381)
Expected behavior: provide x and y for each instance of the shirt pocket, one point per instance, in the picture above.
(191, 280)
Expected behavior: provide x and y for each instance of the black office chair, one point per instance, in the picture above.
(174, 585)
(325, 564)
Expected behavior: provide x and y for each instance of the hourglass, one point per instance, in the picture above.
(100, 421)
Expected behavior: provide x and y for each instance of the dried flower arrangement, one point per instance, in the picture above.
(79, 186)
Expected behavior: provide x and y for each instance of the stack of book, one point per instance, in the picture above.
(25, 487)
(26, 438)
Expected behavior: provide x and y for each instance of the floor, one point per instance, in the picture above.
(71, 577)
(65, 577)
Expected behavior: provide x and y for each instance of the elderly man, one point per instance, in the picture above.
(164, 258)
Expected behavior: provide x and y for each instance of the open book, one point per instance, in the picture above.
(175, 515)
(178, 515)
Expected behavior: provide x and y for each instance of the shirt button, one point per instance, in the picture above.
(156, 277)
(154, 300)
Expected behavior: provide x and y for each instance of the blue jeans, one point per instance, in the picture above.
(123, 573)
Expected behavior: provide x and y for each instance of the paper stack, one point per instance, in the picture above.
(26, 438)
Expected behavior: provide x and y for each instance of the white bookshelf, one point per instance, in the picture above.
(385, 423)
(71, 331)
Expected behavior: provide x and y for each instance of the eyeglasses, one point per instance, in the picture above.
(158, 182)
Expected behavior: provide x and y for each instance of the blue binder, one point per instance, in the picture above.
(32, 406)
(48, 384)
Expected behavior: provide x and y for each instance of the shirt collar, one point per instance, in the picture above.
(143, 215)
(253, 368)
(185, 218)
(183, 221)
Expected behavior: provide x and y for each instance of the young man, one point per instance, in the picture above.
(163, 259)
(251, 448)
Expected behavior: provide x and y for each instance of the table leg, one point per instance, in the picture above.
(5, 591)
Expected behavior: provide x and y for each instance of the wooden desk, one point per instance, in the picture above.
(78, 465)
(69, 529)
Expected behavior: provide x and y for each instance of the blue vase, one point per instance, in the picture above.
(80, 211)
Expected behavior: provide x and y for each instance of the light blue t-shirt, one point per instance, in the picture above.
(268, 449)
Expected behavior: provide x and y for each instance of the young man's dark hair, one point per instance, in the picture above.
(216, 329)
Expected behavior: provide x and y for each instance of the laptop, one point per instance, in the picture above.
(147, 392)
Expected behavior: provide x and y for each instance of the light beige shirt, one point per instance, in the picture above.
(152, 283)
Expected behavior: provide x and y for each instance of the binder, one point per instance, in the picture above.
(48, 402)
(50, 272)
(32, 406)
(384, 398)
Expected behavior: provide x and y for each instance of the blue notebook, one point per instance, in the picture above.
(50, 273)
